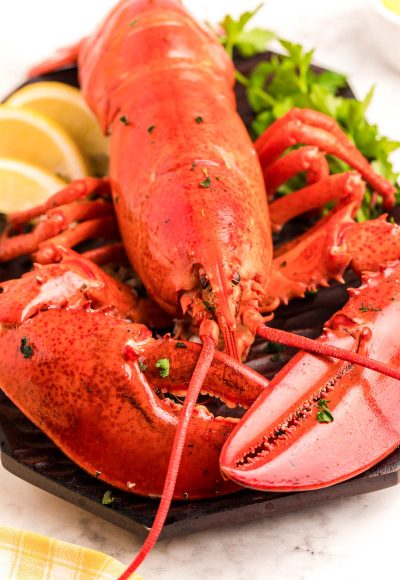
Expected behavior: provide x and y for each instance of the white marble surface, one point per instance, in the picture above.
(350, 539)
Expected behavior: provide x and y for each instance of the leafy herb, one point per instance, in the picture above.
(142, 366)
(285, 81)
(151, 128)
(283, 264)
(25, 348)
(108, 499)
(163, 365)
(180, 345)
(246, 42)
(368, 308)
(323, 414)
(199, 120)
(133, 23)
(206, 182)
(124, 120)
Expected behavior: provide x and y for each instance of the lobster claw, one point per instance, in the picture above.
(97, 385)
(324, 421)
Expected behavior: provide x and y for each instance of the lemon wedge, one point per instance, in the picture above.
(66, 105)
(23, 185)
(31, 137)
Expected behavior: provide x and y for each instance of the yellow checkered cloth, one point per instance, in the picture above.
(28, 556)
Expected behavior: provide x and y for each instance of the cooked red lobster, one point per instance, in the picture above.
(189, 197)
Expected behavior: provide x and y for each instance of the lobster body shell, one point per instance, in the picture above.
(187, 185)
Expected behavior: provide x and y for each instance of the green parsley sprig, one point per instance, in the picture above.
(287, 80)
(246, 42)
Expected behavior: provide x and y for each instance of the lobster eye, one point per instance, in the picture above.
(236, 279)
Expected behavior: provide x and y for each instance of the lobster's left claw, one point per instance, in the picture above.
(324, 421)
(95, 385)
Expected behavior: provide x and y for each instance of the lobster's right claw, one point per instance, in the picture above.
(95, 384)
(324, 421)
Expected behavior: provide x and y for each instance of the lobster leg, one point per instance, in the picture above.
(67, 219)
(314, 196)
(64, 57)
(281, 444)
(73, 192)
(311, 128)
(97, 228)
(305, 159)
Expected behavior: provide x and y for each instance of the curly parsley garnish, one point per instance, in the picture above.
(163, 364)
(323, 414)
(25, 348)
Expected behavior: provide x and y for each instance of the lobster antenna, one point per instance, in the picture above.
(315, 347)
(196, 382)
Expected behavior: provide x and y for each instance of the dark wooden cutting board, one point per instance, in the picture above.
(30, 455)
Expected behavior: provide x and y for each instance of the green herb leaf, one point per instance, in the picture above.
(124, 120)
(282, 82)
(107, 498)
(247, 42)
(163, 364)
(133, 23)
(199, 120)
(180, 345)
(25, 348)
(206, 182)
(151, 128)
(323, 414)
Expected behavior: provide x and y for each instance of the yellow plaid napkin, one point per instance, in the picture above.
(24, 555)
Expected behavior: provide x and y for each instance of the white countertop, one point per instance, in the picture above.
(350, 539)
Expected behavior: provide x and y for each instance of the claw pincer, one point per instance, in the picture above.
(91, 379)
(287, 441)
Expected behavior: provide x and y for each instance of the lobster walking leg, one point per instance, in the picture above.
(313, 128)
(331, 188)
(305, 159)
(66, 219)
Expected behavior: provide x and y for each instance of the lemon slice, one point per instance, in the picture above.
(31, 137)
(23, 185)
(66, 105)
